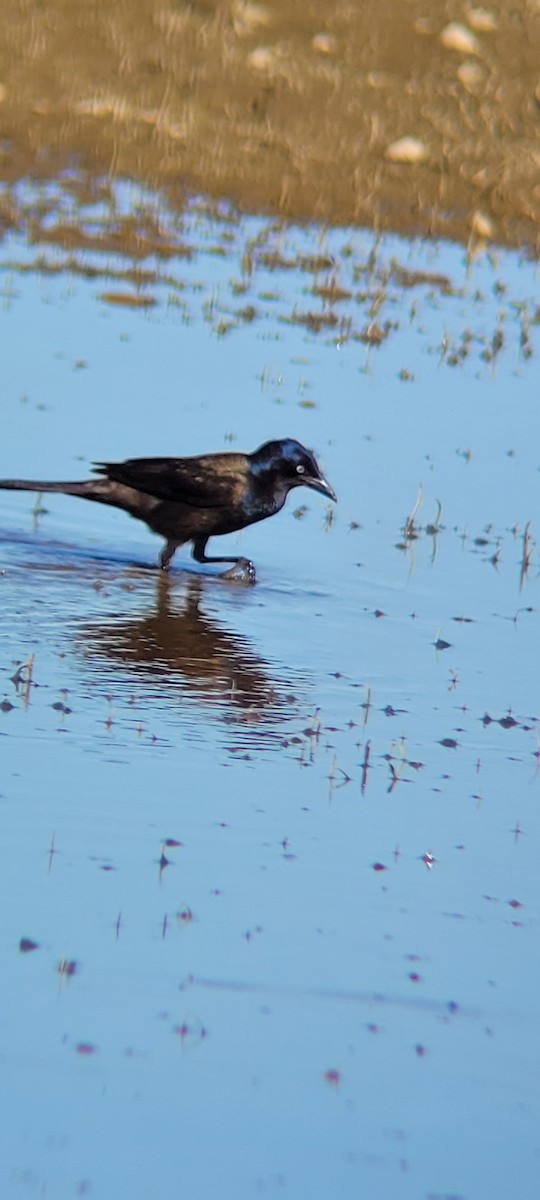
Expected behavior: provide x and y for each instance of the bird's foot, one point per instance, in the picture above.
(243, 571)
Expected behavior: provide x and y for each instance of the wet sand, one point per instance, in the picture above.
(290, 108)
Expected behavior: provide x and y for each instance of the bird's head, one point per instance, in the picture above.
(289, 465)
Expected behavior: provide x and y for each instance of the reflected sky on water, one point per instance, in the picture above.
(275, 847)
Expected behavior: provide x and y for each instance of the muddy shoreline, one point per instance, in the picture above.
(289, 109)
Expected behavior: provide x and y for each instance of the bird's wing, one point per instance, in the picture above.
(206, 482)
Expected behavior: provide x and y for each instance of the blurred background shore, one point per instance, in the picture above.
(395, 114)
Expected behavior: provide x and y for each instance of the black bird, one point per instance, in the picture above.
(193, 499)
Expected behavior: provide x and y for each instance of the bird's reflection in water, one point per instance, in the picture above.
(177, 649)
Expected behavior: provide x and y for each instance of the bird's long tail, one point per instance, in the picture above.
(89, 489)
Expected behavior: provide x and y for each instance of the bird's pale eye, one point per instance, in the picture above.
(300, 470)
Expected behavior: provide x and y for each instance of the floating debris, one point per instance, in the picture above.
(128, 299)
(26, 945)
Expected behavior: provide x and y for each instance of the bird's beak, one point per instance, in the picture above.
(319, 485)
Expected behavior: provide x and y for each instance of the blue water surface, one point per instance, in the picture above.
(269, 884)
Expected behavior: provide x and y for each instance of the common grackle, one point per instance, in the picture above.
(193, 499)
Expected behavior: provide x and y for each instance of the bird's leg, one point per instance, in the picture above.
(167, 554)
(243, 570)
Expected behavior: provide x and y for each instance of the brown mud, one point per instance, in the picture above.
(292, 108)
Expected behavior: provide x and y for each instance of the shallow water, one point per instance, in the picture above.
(273, 848)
